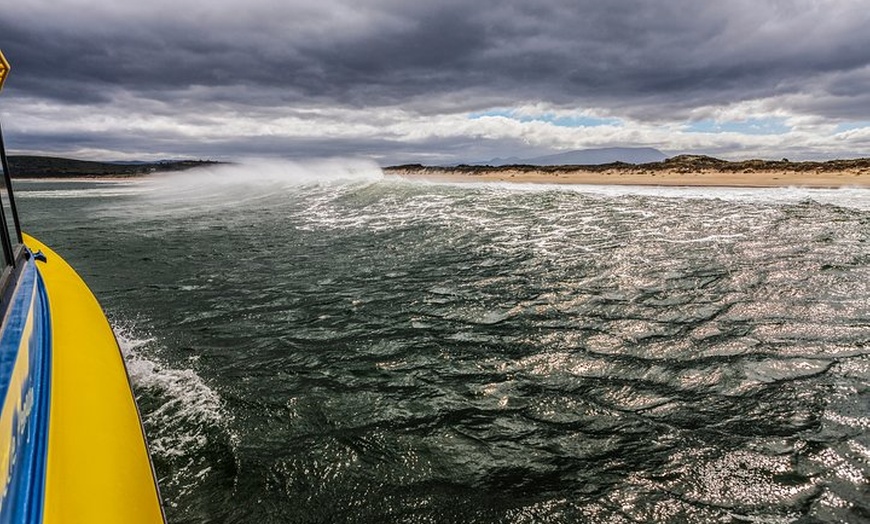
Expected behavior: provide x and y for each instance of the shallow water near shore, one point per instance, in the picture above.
(320, 343)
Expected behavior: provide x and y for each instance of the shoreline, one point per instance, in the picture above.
(678, 171)
(81, 178)
(635, 177)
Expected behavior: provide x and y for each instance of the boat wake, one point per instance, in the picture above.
(187, 427)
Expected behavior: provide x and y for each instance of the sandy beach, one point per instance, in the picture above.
(680, 171)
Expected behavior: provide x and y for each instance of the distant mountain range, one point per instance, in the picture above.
(586, 157)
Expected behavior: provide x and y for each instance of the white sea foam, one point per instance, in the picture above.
(188, 403)
(187, 412)
(118, 189)
(851, 197)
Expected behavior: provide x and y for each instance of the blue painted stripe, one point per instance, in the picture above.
(26, 385)
(41, 344)
(13, 327)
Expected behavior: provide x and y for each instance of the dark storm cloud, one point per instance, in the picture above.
(648, 61)
(556, 51)
(382, 66)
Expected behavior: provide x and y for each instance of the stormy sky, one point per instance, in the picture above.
(435, 81)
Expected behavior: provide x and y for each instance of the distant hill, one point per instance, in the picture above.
(679, 164)
(586, 157)
(54, 167)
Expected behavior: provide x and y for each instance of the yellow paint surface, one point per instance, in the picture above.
(98, 465)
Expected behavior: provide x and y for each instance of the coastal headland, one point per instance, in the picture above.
(682, 170)
(54, 167)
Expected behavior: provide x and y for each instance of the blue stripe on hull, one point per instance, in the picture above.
(25, 382)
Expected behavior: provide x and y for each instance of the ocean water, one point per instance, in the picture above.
(317, 342)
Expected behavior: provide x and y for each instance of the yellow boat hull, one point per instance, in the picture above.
(94, 466)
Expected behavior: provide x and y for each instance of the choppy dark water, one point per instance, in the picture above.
(371, 350)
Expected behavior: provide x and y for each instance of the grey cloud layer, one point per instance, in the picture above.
(650, 61)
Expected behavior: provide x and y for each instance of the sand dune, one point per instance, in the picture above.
(683, 170)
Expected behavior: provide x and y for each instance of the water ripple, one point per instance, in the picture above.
(388, 351)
